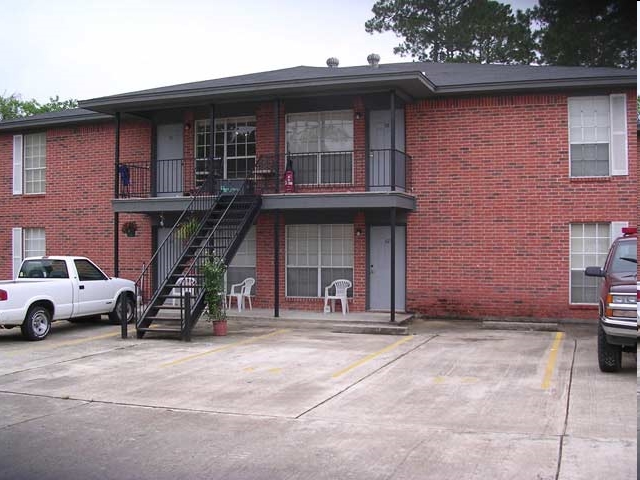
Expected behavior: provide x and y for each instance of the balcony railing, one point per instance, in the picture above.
(352, 171)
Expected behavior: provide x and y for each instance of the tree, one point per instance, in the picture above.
(596, 33)
(456, 30)
(13, 106)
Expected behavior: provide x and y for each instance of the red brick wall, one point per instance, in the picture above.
(76, 210)
(490, 235)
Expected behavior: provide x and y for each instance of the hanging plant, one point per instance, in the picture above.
(130, 228)
(188, 228)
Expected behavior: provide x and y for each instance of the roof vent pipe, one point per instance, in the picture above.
(332, 62)
(374, 60)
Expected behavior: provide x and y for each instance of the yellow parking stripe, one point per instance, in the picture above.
(224, 347)
(371, 357)
(551, 362)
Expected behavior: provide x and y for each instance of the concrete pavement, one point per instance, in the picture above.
(450, 401)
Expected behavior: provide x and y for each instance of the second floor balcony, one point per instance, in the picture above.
(173, 181)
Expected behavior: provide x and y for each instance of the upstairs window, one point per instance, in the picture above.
(234, 143)
(598, 136)
(320, 146)
(29, 163)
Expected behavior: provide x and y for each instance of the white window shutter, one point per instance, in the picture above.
(17, 164)
(16, 238)
(618, 146)
(616, 229)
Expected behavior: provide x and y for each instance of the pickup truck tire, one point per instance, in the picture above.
(114, 317)
(609, 356)
(37, 323)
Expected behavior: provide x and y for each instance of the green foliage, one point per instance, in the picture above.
(556, 32)
(13, 106)
(598, 33)
(188, 228)
(214, 293)
(456, 30)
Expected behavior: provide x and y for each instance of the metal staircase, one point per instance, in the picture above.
(171, 285)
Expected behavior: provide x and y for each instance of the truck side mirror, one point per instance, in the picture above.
(594, 272)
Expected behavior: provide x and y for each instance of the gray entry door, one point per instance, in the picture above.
(169, 166)
(379, 146)
(380, 268)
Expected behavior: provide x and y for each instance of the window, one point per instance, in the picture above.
(589, 247)
(598, 136)
(320, 146)
(316, 256)
(234, 142)
(243, 264)
(27, 242)
(29, 163)
(45, 268)
(87, 271)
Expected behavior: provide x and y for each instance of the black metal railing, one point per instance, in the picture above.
(162, 263)
(169, 263)
(357, 170)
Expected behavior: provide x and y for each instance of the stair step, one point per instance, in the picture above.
(164, 319)
(160, 330)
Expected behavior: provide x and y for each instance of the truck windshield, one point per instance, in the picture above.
(625, 258)
(43, 268)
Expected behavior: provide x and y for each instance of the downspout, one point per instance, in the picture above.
(212, 136)
(392, 108)
(276, 227)
(116, 189)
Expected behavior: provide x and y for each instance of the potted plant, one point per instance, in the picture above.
(188, 228)
(130, 228)
(214, 294)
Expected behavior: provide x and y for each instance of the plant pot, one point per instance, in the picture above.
(131, 234)
(219, 328)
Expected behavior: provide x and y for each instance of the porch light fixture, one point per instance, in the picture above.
(187, 127)
(359, 232)
(161, 220)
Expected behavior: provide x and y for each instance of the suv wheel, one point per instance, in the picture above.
(609, 356)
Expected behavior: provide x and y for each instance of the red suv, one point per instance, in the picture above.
(618, 325)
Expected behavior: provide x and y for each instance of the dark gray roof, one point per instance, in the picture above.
(61, 117)
(443, 76)
(415, 79)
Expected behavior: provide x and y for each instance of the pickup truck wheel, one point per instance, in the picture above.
(609, 356)
(37, 324)
(114, 317)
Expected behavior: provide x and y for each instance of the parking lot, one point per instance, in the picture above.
(450, 401)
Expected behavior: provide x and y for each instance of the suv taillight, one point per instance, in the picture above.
(3, 295)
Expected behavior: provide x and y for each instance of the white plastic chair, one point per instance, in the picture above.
(240, 291)
(183, 285)
(341, 286)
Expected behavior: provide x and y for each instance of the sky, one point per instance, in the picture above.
(85, 49)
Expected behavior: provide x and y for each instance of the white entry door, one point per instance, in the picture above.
(169, 156)
(380, 268)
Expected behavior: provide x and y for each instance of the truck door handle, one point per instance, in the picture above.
(81, 287)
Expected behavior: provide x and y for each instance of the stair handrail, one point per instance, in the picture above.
(199, 194)
(204, 251)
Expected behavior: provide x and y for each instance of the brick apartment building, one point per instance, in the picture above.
(488, 188)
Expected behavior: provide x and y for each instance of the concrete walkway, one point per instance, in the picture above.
(359, 322)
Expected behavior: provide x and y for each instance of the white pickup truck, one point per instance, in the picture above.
(48, 289)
